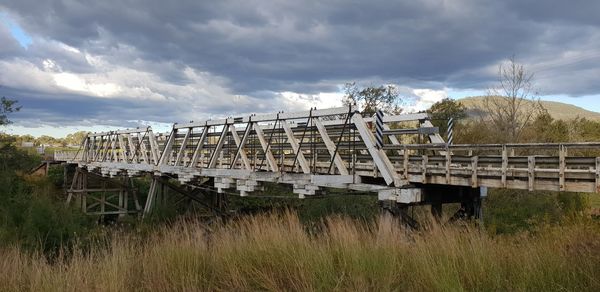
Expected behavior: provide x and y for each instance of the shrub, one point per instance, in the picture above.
(510, 211)
(33, 212)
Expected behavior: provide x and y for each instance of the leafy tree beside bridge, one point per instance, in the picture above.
(7, 106)
(373, 98)
(445, 109)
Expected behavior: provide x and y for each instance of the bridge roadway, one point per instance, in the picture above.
(333, 148)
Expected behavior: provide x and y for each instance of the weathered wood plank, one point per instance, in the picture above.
(380, 159)
(562, 166)
(474, 178)
(504, 165)
(337, 160)
(199, 147)
(217, 151)
(168, 150)
(240, 144)
(447, 165)
(266, 148)
(531, 172)
(296, 147)
(424, 165)
(183, 146)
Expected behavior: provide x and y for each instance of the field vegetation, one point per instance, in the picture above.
(276, 252)
(528, 241)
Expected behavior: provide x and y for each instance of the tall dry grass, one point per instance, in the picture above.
(275, 252)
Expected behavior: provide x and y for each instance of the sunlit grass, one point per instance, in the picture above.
(275, 252)
(594, 199)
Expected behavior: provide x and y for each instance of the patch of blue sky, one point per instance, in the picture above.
(16, 31)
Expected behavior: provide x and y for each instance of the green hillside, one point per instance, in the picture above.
(558, 110)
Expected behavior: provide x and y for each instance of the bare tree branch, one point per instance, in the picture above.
(512, 105)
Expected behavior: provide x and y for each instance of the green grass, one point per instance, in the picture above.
(594, 200)
(275, 253)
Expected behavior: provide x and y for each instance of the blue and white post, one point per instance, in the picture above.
(379, 129)
(450, 136)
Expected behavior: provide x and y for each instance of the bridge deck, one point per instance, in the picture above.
(336, 148)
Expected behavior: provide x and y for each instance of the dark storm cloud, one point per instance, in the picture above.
(9, 46)
(71, 110)
(574, 11)
(264, 47)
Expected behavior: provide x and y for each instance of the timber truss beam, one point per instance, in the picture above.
(336, 148)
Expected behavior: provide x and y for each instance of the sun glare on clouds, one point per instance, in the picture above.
(293, 101)
(76, 83)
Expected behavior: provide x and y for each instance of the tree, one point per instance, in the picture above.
(7, 106)
(512, 105)
(47, 140)
(441, 111)
(76, 138)
(371, 99)
(24, 138)
(546, 129)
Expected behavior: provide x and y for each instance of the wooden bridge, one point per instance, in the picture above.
(320, 149)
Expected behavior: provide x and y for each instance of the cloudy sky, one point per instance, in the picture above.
(103, 64)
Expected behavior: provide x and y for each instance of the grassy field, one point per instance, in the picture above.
(594, 200)
(276, 252)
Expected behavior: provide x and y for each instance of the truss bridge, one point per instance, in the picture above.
(401, 158)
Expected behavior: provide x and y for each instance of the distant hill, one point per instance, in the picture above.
(558, 110)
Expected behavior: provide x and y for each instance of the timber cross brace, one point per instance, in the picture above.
(337, 148)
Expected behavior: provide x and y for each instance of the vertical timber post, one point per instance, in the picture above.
(83, 187)
(151, 196)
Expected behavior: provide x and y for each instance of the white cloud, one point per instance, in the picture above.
(127, 62)
(415, 99)
(80, 84)
(430, 95)
(19, 73)
(51, 66)
(111, 80)
(424, 98)
(294, 101)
